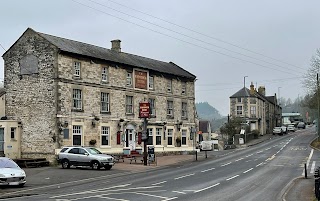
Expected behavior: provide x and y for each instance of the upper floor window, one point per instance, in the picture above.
(184, 110)
(105, 102)
(170, 108)
(129, 79)
(129, 104)
(151, 82)
(104, 74)
(253, 110)
(239, 100)
(152, 106)
(77, 68)
(239, 110)
(169, 86)
(77, 99)
(183, 88)
(105, 131)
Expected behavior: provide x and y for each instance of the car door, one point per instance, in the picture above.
(73, 156)
(84, 157)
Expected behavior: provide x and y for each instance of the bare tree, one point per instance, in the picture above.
(310, 78)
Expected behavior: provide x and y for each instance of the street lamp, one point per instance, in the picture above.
(279, 95)
(244, 81)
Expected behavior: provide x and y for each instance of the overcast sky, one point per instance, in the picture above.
(270, 41)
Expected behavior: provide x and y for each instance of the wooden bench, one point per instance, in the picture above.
(118, 157)
(135, 157)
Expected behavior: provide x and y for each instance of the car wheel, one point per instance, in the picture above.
(108, 167)
(65, 164)
(95, 165)
(20, 185)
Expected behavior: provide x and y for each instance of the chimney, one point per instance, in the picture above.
(115, 45)
(252, 90)
(262, 90)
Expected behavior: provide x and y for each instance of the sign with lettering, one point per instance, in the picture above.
(140, 79)
(144, 110)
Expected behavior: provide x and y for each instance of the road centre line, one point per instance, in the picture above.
(159, 183)
(239, 159)
(188, 175)
(259, 164)
(179, 192)
(207, 188)
(249, 155)
(232, 177)
(259, 152)
(208, 170)
(268, 148)
(146, 194)
(226, 164)
(248, 170)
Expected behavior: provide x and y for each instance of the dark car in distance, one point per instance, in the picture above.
(301, 125)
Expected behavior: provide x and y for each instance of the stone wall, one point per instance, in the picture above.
(30, 92)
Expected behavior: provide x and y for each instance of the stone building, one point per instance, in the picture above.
(65, 92)
(261, 112)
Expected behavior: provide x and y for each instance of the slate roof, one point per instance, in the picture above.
(271, 99)
(71, 46)
(2, 91)
(244, 92)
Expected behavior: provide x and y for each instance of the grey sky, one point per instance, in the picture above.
(286, 30)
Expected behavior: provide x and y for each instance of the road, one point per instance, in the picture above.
(260, 172)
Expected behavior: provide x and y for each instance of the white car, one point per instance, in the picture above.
(277, 130)
(11, 173)
(291, 128)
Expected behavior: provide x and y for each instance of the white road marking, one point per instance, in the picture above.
(312, 167)
(239, 159)
(248, 161)
(208, 170)
(259, 164)
(248, 170)
(259, 152)
(146, 194)
(308, 161)
(170, 199)
(207, 188)
(232, 177)
(271, 158)
(249, 155)
(159, 183)
(268, 148)
(188, 175)
(179, 192)
(226, 164)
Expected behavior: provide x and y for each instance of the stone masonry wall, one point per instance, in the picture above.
(30, 98)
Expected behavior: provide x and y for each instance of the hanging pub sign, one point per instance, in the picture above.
(144, 110)
(140, 79)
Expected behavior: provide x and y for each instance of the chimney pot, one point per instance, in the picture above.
(116, 45)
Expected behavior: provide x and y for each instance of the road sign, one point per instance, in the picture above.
(144, 110)
(144, 135)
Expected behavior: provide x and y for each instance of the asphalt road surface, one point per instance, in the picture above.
(260, 172)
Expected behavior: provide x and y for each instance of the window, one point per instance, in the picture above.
(239, 110)
(158, 136)
(152, 106)
(105, 135)
(77, 67)
(239, 100)
(129, 104)
(169, 86)
(13, 133)
(170, 108)
(129, 79)
(170, 135)
(150, 139)
(77, 99)
(105, 104)
(76, 135)
(104, 74)
(184, 110)
(184, 137)
(151, 83)
(183, 88)
(253, 111)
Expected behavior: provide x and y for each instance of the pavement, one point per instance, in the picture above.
(300, 189)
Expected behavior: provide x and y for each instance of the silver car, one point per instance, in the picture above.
(11, 173)
(84, 156)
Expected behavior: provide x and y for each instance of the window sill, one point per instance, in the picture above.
(158, 146)
(170, 117)
(170, 146)
(76, 110)
(105, 113)
(104, 82)
(129, 114)
(76, 77)
(184, 118)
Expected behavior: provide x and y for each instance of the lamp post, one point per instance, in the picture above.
(244, 81)
(279, 99)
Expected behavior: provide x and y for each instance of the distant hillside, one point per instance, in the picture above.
(206, 111)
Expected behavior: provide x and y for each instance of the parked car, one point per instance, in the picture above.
(301, 125)
(277, 130)
(84, 156)
(11, 173)
(291, 128)
(284, 129)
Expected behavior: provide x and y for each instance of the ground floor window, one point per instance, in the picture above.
(105, 131)
(150, 138)
(158, 136)
(170, 133)
(76, 135)
(184, 137)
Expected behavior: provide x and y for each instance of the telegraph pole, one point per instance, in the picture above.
(318, 98)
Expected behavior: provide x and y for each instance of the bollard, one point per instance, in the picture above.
(305, 171)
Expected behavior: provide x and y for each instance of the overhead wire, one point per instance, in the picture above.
(208, 36)
(190, 43)
(185, 35)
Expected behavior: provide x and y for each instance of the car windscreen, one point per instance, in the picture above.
(93, 151)
(6, 163)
